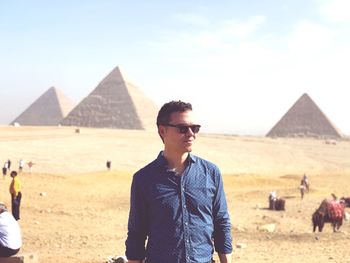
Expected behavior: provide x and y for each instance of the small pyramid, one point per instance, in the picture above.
(304, 119)
(114, 103)
(48, 110)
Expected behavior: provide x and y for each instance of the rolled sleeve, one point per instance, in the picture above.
(137, 225)
(222, 224)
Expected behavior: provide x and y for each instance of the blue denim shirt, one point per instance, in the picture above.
(184, 217)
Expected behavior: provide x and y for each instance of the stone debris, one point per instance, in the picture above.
(267, 228)
(347, 216)
(116, 259)
(241, 245)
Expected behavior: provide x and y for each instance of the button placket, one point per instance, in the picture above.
(185, 219)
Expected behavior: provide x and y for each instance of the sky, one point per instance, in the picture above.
(242, 64)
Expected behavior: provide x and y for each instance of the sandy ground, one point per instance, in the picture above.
(74, 210)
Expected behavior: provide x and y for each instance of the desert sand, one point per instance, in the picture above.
(74, 210)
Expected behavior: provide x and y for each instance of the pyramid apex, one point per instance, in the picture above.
(305, 95)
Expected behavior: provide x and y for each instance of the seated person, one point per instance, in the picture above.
(10, 233)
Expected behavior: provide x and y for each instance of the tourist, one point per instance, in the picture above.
(108, 165)
(20, 165)
(16, 195)
(305, 182)
(5, 168)
(30, 165)
(177, 201)
(10, 234)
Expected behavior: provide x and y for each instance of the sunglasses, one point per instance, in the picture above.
(184, 128)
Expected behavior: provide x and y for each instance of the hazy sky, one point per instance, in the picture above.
(242, 64)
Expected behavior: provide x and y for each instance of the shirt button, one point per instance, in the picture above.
(183, 188)
(186, 223)
(185, 206)
(187, 240)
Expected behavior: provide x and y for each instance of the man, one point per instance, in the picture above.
(10, 234)
(109, 164)
(177, 201)
(305, 181)
(30, 165)
(16, 195)
(4, 169)
(20, 165)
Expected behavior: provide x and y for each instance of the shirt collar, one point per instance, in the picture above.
(162, 162)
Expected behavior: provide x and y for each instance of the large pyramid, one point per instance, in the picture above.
(304, 119)
(114, 103)
(48, 110)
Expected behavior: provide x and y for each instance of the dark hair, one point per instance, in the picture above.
(168, 108)
(13, 173)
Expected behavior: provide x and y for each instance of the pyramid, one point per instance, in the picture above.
(304, 119)
(48, 110)
(114, 103)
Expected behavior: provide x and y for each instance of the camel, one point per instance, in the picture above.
(329, 212)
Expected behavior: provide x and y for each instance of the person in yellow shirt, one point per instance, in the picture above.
(16, 195)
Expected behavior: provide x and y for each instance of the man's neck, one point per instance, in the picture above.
(176, 161)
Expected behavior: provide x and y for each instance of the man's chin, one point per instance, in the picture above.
(188, 149)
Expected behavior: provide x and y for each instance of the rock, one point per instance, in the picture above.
(21, 258)
(267, 228)
(241, 245)
(238, 228)
(117, 259)
(347, 216)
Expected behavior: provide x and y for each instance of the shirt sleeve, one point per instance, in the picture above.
(137, 224)
(222, 224)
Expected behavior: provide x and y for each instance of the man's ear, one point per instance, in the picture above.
(161, 131)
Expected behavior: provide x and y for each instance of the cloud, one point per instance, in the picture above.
(335, 10)
(256, 72)
(192, 19)
(309, 38)
(223, 34)
(241, 29)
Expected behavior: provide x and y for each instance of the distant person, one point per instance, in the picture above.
(109, 165)
(178, 202)
(30, 165)
(10, 233)
(5, 168)
(334, 198)
(302, 189)
(20, 165)
(272, 200)
(9, 164)
(305, 182)
(16, 195)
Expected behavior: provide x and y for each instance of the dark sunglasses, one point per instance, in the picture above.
(184, 128)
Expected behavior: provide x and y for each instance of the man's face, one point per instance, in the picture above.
(174, 139)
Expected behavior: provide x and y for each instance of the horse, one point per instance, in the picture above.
(329, 212)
